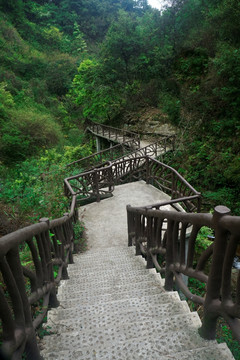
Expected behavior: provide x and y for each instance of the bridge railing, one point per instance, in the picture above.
(92, 184)
(168, 180)
(114, 134)
(100, 181)
(29, 278)
(161, 237)
(98, 158)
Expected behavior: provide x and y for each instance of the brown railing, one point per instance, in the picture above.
(168, 180)
(100, 182)
(91, 185)
(98, 158)
(168, 240)
(113, 134)
(30, 283)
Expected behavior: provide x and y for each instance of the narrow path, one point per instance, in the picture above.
(106, 221)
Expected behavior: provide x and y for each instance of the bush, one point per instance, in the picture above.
(60, 73)
(25, 133)
(170, 104)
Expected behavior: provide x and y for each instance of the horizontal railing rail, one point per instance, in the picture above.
(168, 240)
(98, 158)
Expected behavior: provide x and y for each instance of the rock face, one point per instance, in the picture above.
(149, 121)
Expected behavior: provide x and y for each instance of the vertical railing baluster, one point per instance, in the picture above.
(169, 256)
(149, 241)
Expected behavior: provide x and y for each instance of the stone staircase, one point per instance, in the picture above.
(112, 307)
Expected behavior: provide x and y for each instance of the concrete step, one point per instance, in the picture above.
(76, 274)
(102, 306)
(112, 278)
(122, 267)
(63, 320)
(89, 298)
(114, 251)
(120, 333)
(136, 340)
(105, 260)
(210, 352)
(67, 287)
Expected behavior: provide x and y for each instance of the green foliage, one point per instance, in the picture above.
(34, 188)
(6, 101)
(202, 241)
(80, 242)
(25, 132)
(224, 334)
(98, 101)
(171, 106)
(59, 74)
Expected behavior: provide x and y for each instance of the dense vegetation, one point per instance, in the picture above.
(65, 60)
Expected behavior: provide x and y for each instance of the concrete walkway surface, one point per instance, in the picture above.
(106, 221)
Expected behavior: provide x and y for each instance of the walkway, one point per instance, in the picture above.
(112, 307)
(96, 216)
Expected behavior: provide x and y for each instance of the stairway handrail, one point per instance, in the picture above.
(109, 151)
(51, 244)
(159, 232)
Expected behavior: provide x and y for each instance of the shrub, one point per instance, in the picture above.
(27, 132)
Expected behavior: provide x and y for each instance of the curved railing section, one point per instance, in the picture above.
(168, 240)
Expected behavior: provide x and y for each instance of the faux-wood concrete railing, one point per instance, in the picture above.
(100, 181)
(161, 237)
(50, 245)
(113, 134)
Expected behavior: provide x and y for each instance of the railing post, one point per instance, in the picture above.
(69, 233)
(138, 233)
(199, 203)
(98, 144)
(95, 185)
(149, 242)
(110, 179)
(169, 256)
(147, 170)
(212, 301)
(53, 301)
(174, 187)
(130, 226)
